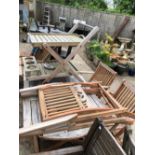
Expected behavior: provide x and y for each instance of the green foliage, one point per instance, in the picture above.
(125, 6)
(90, 4)
(121, 6)
(94, 47)
(109, 38)
(101, 51)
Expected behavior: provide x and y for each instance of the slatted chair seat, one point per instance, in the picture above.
(99, 141)
(105, 74)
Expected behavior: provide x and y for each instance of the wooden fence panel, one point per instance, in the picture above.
(106, 21)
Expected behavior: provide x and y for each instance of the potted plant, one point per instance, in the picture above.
(92, 49)
(131, 68)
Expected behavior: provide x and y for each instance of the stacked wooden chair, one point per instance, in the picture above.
(124, 97)
(99, 141)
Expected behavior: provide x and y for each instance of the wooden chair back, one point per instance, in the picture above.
(105, 74)
(125, 96)
(128, 144)
(100, 141)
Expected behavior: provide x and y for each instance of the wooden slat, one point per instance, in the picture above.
(35, 111)
(57, 95)
(26, 112)
(56, 91)
(63, 101)
(62, 105)
(62, 109)
(42, 104)
(60, 98)
(59, 114)
(55, 40)
(105, 74)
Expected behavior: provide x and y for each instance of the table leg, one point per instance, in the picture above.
(36, 145)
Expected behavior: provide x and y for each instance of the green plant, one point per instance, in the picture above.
(125, 6)
(94, 47)
(109, 38)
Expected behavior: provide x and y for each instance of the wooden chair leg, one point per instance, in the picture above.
(36, 144)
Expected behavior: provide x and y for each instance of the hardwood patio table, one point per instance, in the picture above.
(50, 41)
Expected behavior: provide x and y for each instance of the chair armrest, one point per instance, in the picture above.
(38, 128)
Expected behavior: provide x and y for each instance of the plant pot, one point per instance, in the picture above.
(120, 69)
(96, 60)
(131, 71)
(113, 65)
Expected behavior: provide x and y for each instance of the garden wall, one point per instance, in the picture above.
(106, 21)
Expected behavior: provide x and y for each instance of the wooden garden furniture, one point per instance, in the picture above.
(104, 74)
(123, 97)
(45, 103)
(49, 41)
(128, 142)
(99, 141)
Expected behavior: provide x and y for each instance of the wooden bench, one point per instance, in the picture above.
(99, 141)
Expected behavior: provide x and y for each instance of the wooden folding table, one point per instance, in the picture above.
(50, 41)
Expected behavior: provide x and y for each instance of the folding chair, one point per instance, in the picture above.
(105, 74)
